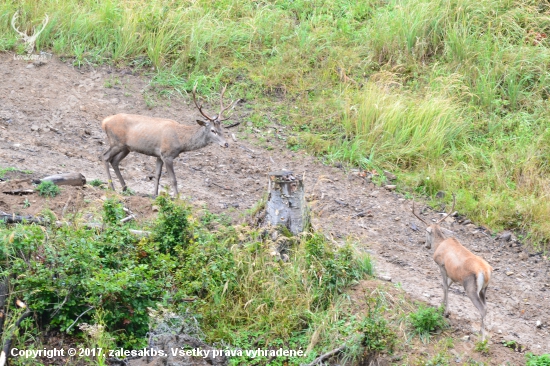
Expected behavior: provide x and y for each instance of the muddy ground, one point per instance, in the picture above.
(50, 122)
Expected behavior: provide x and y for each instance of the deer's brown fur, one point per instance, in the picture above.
(160, 137)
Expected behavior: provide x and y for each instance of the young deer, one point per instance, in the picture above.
(458, 264)
(163, 138)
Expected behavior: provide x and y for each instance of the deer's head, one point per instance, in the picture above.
(214, 124)
(433, 230)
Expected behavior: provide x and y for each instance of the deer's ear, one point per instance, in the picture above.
(201, 122)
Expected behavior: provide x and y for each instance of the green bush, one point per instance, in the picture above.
(48, 189)
(542, 360)
(377, 335)
(96, 183)
(427, 320)
(172, 227)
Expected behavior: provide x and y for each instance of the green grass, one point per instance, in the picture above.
(427, 320)
(449, 95)
(48, 189)
(5, 170)
(542, 360)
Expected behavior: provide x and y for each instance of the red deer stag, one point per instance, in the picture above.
(163, 138)
(458, 264)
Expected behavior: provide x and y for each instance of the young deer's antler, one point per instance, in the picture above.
(418, 217)
(452, 208)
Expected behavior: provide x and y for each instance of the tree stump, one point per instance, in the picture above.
(286, 205)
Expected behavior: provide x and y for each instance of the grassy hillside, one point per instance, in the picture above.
(450, 95)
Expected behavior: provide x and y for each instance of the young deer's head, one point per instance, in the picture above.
(433, 230)
(213, 125)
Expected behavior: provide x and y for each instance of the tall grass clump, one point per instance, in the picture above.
(395, 131)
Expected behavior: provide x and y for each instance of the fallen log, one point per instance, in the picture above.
(19, 192)
(66, 179)
(16, 219)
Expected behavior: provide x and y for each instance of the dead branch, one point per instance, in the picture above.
(326, 355)
(19, 192)
(85, 311)
(7, 346)
(16, 219)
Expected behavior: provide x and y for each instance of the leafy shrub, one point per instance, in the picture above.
(96, 183)
(542, 360)
(427, 320)
(48, 189)
(377, 336)
(113, 211)
(334, 269)
(482, 347)
(172, 227)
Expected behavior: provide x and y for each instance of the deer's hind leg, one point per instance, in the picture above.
(478, 299)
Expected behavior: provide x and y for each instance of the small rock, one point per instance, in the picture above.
(466, 338)
(505, 236)
(523, 256)
(440, 194)
(384, 278)
(427, 295)
(34, 128)
(30, 66)
(397, 218)
(390, 175)
(390, 187)
(87, 131)
(538, 324)
(155, 208)
(509, 273)
(374, 193)
(466, 222)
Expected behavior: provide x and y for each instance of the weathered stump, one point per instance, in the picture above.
(286, 205)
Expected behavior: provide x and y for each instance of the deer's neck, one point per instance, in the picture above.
(438, 236)
(193, 137)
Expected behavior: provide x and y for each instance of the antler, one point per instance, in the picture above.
(44, 23)
(218, 118)
(418, 217)
(452, 208)
(200, 106)
(222, 108)
(13, 19)
(29, 40)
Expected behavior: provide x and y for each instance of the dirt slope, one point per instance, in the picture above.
(50, 119)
